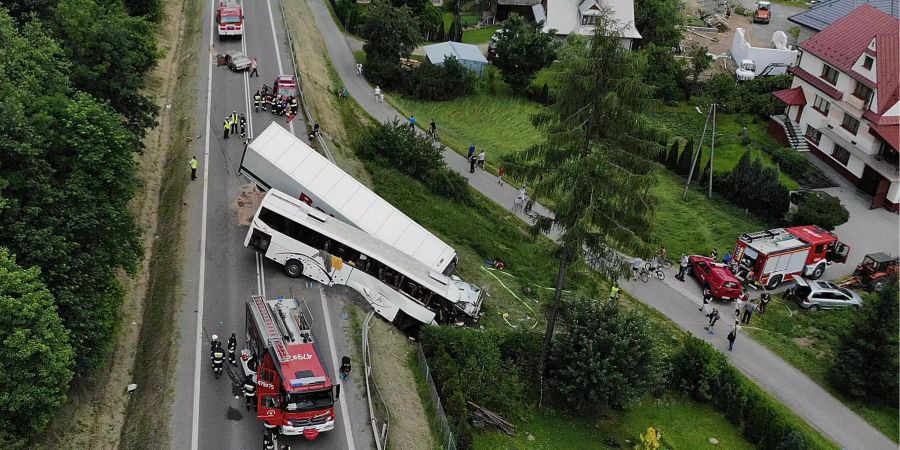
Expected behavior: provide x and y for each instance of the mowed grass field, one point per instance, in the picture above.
(498, 124)
(685, 121)
(808, 340)
(682, 423)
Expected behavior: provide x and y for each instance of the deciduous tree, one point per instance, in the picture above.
(658, 22)
(35, 356)
(827, 213)
(392, 33)
(522, 50)
(700, 61)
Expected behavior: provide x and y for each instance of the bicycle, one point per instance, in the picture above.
(664, 263)
(647, 271)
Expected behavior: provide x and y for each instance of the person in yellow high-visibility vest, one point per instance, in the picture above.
(614, 292)
(193, 165)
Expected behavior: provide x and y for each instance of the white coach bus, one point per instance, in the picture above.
(276, 159)
(402, 289)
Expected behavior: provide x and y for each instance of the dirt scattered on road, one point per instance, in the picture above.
(248, 202)
(390, 352)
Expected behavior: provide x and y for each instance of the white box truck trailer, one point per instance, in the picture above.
(278, 159)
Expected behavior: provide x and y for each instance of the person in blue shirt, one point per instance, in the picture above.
(471, 151)
(412, 122)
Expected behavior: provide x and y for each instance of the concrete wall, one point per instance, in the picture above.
(741, 49)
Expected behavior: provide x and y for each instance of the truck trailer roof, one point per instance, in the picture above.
(278, 159)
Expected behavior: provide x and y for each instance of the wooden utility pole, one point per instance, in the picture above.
(697, 153)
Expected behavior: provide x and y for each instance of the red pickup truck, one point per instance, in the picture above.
(716, 277)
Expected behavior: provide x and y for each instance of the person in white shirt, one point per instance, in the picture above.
(379, 97)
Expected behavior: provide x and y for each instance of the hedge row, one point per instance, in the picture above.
(704, 373)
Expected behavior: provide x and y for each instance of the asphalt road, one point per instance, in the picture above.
(220, 274)
(678, 301)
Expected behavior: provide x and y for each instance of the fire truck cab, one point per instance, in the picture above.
(295, 395)
(772, 257)
(230, 20)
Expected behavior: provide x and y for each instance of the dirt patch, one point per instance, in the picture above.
(248, 202)
(320, 84)
(94, 414)
(390, 351)
(804, 342)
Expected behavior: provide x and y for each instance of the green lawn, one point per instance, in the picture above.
(467, 20)
(683, 424)
(479, 36)
(685, 121)
(498, 124)
(808, 340)
(697, 225)
(480, 232)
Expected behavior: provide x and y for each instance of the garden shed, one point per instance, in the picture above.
(467, 54)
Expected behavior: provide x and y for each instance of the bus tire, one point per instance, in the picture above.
(293, 268)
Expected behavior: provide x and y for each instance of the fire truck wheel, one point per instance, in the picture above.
(773, 282)
(293, 268)
(817, 272)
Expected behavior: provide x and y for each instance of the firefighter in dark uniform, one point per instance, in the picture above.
(256, 98)
(243, 130)
(232, 346)
(216, 355)
(273, 101)
(264, 101)
(269, 441)
(249, 387)
(294, 105)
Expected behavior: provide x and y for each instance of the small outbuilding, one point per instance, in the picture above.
(467, 54)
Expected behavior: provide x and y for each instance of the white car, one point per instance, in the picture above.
(816, 295)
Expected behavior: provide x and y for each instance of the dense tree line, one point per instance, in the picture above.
(71, 74)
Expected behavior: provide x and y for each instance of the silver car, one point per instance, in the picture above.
(818, 295)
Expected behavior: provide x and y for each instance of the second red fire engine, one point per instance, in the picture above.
(772, 257)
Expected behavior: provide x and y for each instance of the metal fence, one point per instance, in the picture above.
(446, 436)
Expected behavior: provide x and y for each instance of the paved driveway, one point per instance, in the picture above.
(867, 231)
(761, 34)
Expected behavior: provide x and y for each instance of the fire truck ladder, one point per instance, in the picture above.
(750, 237)
(292, 324)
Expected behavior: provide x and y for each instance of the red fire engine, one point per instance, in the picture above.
(230, 20)
(295, 395)
(774, 256)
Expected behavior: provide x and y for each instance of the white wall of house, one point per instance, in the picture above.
(741, 50)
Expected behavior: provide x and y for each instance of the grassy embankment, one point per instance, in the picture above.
(808, 341)
(148, 414)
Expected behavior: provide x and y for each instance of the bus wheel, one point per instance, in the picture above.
(293, 268)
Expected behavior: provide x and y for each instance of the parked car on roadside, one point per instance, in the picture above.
(818, 295)
(716, 277)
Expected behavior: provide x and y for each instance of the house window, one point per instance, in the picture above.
(821, 105)
(867, 62)
(862, 92)
(588, 20)
(829, 74)
(850, 124)
(840, 154)
(813, 134)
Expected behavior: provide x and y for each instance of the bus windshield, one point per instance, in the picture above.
(308, 401)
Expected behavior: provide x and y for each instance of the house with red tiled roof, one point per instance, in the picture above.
(843, 103)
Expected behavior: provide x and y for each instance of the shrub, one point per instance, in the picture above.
(704, 374)
(395, 145)
(826, 212)
(606, 359)
(798, 167)
(444, 82)
(757, 188)
(867, 358)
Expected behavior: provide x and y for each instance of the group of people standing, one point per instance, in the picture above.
(235, 122)
(280, 105)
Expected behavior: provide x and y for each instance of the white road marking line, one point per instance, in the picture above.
(198, 346)
(258, 275)
(277, 52)
(246, 75)
(335, 369)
